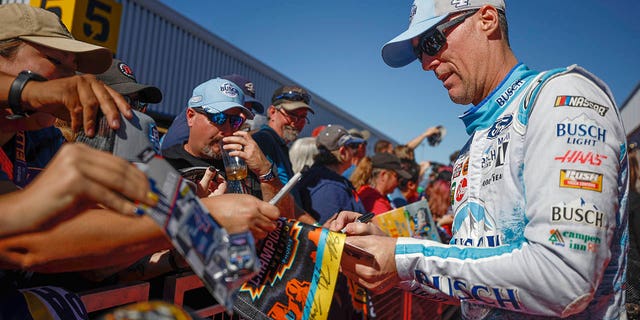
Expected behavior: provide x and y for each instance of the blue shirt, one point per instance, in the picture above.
(177, 133)
(324, 192)
(347, 173)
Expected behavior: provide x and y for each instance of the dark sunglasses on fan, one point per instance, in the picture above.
(432, 41)
(219, 118)
(136, 104)
(293, 96)
(356, 145)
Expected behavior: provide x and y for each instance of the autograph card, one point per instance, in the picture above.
(413, 220)
(222, 261)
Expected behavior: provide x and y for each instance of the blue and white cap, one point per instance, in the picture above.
(425, 14)
(218, 95)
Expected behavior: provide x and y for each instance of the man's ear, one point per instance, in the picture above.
(270, 112)
(190, 115)
(343, 152)
(490, 19)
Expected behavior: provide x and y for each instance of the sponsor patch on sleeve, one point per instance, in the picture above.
(580, 102)
(578, 179)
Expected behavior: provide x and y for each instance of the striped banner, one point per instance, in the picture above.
(299, 269)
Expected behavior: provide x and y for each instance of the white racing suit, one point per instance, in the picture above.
(539, 194)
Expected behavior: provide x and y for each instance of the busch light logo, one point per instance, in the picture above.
(499, 126)
(581, 131)
(229, 90)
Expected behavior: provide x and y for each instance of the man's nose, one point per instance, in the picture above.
(227, 130)
(427, 62)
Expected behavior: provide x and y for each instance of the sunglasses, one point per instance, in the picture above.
(136, 104)
(293, 117)
(293, 96)
(220, 118)
(356, 145)
(432, 41)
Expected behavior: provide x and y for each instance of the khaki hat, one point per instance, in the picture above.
(43, 27)
(364, 134)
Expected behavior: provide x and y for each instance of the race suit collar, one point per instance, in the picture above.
(487, 111)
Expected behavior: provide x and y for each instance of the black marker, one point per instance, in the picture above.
(363, 218)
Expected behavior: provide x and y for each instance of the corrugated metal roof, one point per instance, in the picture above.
(172, 52)
(175, 54)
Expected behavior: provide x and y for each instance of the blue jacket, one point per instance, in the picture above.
(324, 192)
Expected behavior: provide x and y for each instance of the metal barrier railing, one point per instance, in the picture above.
(394, 304)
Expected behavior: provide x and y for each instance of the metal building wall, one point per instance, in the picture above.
(173, 53)
(170, 51)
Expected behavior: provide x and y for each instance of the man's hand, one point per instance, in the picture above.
(431, 131)
(242, 212)
(348, 221)
(78, 178)
(246, 148)
(212, 184)
(76, 99)
(378, 276)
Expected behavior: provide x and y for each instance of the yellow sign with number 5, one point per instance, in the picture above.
(93, 21)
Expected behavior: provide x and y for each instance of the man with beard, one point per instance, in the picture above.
(215, 112)
(287, 116)
(178, 132)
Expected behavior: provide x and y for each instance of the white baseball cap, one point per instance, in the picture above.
(425, 14)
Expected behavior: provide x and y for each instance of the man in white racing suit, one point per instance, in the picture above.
(539, 191)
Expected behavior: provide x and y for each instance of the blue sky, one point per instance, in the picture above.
(333, 47)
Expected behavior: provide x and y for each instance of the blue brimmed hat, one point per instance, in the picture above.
(218, 95)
